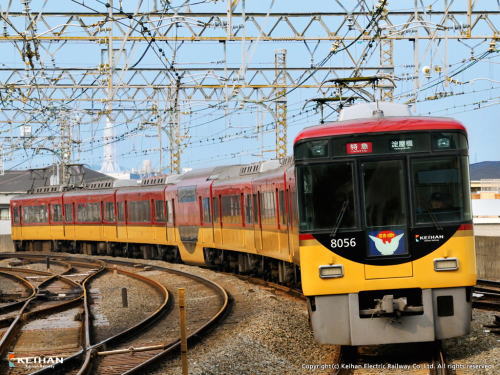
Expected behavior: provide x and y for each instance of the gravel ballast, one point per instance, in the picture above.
(267, 332)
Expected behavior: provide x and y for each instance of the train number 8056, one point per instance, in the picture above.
(342, 242)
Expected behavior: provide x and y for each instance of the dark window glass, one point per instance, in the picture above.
(216, 209)
(109, 212)
(255, 209)
(207, 217)
(248, 209)
(326, 196)
(312, 149)
(282, 207)
(121, 211)
(384, 193)
(159, 211)
(56, 212)
(138, 211)
(17, 217)
(441, 189)
(68, 213)
(448, 141)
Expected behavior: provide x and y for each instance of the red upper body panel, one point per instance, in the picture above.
(379, 125)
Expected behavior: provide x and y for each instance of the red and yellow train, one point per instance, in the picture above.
(371, 217)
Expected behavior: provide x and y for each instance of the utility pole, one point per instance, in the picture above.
(156, 116)
(2, 167)
(386, 57)
(281, 103)
(175, 131)
(65, 146)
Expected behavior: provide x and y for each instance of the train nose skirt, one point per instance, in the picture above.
(338, 319)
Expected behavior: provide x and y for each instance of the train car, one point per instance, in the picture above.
(39, 218)
(385, 228)
(371, 217)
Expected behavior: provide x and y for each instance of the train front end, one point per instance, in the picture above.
(386, 238)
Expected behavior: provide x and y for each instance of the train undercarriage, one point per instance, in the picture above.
(269, 269)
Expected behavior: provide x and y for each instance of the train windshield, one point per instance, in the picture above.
(327, 196)
(384, 193)
(441, 189)
(422, 191)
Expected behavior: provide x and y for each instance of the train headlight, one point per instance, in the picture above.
(331, 271)
(446, 264)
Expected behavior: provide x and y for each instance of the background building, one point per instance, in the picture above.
(485, 187)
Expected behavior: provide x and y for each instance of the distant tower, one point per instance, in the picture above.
(109, 165)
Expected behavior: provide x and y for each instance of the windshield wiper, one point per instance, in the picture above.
(434, 219)
(340, 216)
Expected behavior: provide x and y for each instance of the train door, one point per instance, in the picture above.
(292, 234)
(249, 223)
(217, 220)
(206, 227)
(257, 221)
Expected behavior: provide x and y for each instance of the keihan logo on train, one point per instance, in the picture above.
(386, 242)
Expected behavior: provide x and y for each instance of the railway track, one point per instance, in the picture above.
(419, 359)
(48, 325)
(135, 348)
(486, 295)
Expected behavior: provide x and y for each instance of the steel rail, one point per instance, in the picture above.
(168, 348)
(11, 306)
(89, 350)
(439, 362)
(86, 327)
(24, 314)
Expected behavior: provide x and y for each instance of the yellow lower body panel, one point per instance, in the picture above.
(417, 274)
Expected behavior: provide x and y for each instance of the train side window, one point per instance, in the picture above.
(231, 209)
(160, 211)
(139, 211)
(68, 213)
(94, 212)
(109, 212)
(207, 217)
(42, 215)
(248, 209)
(281, 198)
(215, 201)
(17, 217)
(121, 211)
(56, 212)
(170, 212)
(88, 212)
(268, 208)
(81, 212)
(255, 209)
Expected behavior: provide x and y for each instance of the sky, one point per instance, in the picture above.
(228, 134)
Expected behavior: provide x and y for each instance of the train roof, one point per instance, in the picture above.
(379, 125)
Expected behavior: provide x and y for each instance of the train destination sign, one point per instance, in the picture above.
(402, 145)
(359, 148)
